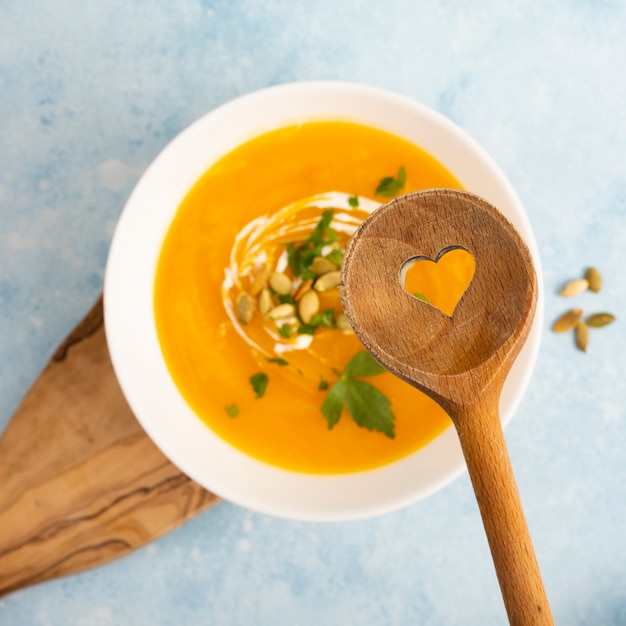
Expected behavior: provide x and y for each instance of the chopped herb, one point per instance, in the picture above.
(331, 236)
(259, 384)
(300, 255)
(308, 273)
(317, 236)
(390, 186)
(279, 361)
(367, 406)
(323, 385)
(363, 364)
(353, 201)
(285, 298)
(323, 318)
(293, 259)
(285, 331)
(336, 257)
(422, 297)
(306, 329)
(231, 410)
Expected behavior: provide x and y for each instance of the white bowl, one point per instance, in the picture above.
(130, 324)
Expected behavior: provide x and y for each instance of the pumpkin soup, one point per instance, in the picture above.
(247, 307)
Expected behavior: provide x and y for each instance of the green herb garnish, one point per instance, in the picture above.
(285, 298)
(323, 318)
(336, 257)
(279, 361)
(300, 255)
(285, 331)
(259, 384)
(232, 410)
(353, 201)
(367, 406)
(323, 385)
(390, 186)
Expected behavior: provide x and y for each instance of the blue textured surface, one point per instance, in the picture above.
(90, 92)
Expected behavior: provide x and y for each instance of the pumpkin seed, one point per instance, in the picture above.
(265, 301)
(567, 321)
(322, 265)
(582, 336)
(598, 320)
(328, 281)
(594, 279)
(260, 280)
(281, 283)
(575, 287)
(244, 307)
(343, 324)
(308, 306)
(281, 311)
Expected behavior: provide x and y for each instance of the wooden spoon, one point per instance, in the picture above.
(460, 361)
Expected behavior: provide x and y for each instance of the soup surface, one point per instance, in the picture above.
(261, 380)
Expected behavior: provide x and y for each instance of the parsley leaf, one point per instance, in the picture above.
(259, 384)
(300, 255)
(353, 201)
(366, 404)
(285, 331)
(294, 260)
(232, 410)
(306, 329)
(390, 186)
(279, 361)
(363, 364)
(317, 236)
(285, 298)
(324, 318)
(369, 407)
(336, 257)
(333, 403)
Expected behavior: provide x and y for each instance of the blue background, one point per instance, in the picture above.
(90, 92)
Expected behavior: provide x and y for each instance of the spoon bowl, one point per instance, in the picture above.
(460, 361)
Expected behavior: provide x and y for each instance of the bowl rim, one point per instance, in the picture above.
(132, 340)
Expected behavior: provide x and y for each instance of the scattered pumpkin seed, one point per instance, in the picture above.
(281, 283)
(244, 307)
(328, 281)
(308, 306)
(575, 287)
(594, 279)
(282, 311)
(598, 320)
(265, 301)
(582, 336)
(567, 321)
(322, 265)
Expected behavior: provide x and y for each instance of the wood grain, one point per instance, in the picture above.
(82, 484)
(462, 360)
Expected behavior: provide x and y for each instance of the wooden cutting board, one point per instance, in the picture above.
(81, 483)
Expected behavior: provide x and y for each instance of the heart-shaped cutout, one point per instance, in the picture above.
(442, 281)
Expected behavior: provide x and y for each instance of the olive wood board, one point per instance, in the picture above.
(81, 483)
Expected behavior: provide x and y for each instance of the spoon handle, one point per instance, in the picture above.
(482, 440)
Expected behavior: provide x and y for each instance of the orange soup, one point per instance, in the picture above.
(247, 310)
